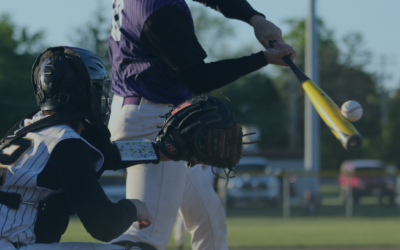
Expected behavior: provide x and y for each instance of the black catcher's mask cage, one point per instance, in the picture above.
(70, 78)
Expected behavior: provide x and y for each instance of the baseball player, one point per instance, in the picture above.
(52, 160)
(158, 62)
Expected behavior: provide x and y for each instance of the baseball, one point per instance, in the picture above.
(352, 111)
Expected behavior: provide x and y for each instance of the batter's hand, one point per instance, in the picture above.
(265, 30)
(144, 217)
(275, 54)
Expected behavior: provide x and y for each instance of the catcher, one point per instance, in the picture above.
(51, 160)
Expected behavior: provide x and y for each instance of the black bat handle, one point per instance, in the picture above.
(288, 61)
(296, 70)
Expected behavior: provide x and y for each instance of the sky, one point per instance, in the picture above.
(376, 20)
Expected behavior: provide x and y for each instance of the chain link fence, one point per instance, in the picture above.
(368, 193)
(288, 194)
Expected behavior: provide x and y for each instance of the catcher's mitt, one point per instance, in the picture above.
(201, 130)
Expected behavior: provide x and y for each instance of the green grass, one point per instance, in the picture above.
(261, 232)
(329, 189)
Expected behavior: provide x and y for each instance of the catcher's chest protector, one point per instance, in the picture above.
(24, 159)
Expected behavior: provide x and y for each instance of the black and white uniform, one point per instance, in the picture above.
(35, 171)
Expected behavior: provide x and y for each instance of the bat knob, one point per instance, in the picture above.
(354, 142)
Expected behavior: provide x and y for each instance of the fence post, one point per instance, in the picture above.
(222, 193)
(286, 196)
(349, 201)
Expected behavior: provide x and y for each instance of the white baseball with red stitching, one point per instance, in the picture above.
(352, 111)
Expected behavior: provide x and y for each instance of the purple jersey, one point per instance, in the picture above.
(135, 70)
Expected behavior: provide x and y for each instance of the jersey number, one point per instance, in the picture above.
(116, 20)
(13, 153)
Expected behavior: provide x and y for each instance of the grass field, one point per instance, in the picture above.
(268, 233)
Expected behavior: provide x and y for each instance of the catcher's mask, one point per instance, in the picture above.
(71, 79)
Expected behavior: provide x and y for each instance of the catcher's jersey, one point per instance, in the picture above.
(135, 70)
(25, 159)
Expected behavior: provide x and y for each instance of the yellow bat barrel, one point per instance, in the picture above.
(330, 113)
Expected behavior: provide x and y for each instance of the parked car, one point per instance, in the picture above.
(254, 184)
(366, 177)
(113, 183)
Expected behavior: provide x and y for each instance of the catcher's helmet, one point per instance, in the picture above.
(70, 78)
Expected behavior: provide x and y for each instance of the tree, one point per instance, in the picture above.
(213, 32)
(94, 35)
(391, 133)
(18, 50)
(254, 100)
(355, 57)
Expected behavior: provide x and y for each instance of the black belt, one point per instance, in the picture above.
(11, 200)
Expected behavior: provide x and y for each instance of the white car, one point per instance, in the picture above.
(255, 183)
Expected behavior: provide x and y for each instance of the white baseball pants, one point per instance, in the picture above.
(179, 228)
(167, 187)
(179, 231)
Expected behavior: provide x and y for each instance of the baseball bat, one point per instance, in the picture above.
(330, 113)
